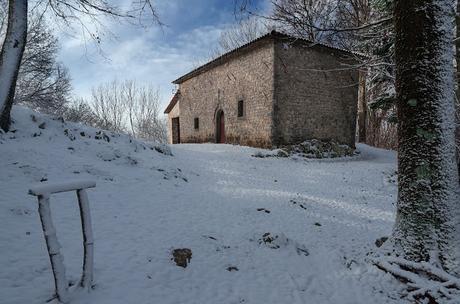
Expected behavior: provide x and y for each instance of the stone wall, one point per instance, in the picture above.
(316, 94)
(248, 77)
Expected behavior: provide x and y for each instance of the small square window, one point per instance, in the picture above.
(196, 123)
(240, 108)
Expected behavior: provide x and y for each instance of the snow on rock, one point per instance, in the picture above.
(205, 197)
(312, 148)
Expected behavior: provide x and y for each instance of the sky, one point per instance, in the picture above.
(153, 55)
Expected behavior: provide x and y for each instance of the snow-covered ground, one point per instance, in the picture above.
(324, 216)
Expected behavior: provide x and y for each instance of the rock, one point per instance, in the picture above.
(101, 135)
(269, 240)
(379, 242)
(42, 125)
(60, 118)
(282, 153)
(232, 268)
(182, 256)
(69, 134)
(318, 224)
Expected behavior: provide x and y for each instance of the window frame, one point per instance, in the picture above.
(240, 106)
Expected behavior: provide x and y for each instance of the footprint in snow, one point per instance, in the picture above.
(264, 210)
(278, 241)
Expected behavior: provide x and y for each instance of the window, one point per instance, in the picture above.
(240, 108)
(196, 123)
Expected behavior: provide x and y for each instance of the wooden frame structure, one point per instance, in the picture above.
(43, 192)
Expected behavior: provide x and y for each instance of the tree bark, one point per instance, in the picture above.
(362, 107)
(11, 56)
(457, 57)
(427, 208)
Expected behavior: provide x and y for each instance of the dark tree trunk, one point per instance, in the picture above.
(427, 209)
(457, 49)
(362, 107)
(11, 56)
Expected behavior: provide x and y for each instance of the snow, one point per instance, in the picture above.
(216, 200)
(423, 278)
(48, 188)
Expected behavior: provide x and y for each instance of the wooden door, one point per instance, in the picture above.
(222, 128)
(175, 130)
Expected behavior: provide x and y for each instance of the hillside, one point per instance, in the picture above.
(322, 217)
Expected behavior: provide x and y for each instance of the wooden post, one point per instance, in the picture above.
(87, 275)
(53, 246)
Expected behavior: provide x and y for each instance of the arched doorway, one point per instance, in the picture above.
(220, 127)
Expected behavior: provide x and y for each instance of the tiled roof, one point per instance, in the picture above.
(271, 35)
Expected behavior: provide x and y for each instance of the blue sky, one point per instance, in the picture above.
(154, 55)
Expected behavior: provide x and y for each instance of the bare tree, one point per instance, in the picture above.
(43, 83)
(354, 14)
(382, 129)
(80, 111)
(235, 35)
(11, 56)
(242, 32)
(305, 18)
(129, 108)
(68, 11)
(109, 105)
(147, 120)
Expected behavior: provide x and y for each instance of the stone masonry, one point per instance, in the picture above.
(291, 91)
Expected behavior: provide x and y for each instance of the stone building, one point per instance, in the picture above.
(272, 91)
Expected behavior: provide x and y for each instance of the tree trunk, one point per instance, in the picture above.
(362, 107)
(11, 56)
(427, 208)
(457, 56)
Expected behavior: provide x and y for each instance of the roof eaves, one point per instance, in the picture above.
(172, 103)
(273, 34)
(220, 59)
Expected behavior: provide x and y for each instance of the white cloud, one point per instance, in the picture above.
(157, 55)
